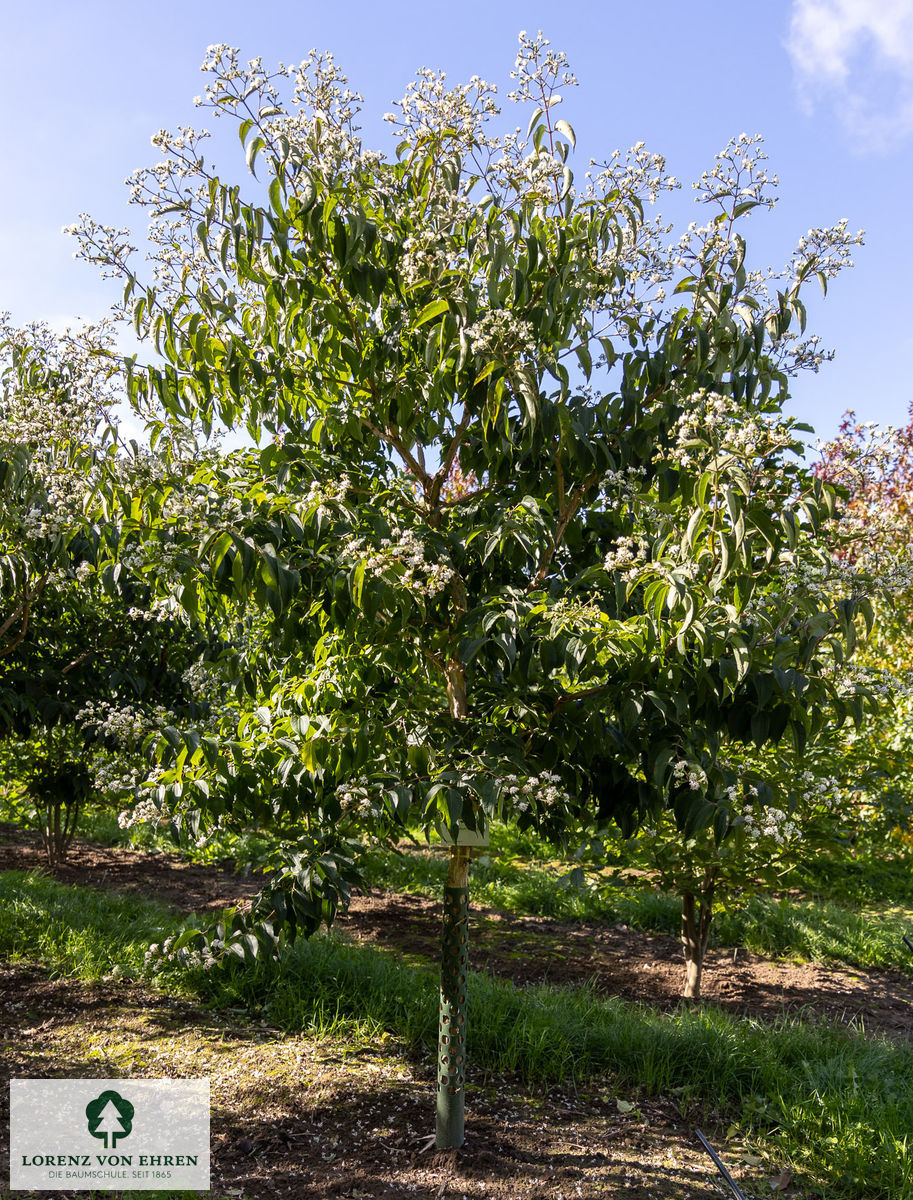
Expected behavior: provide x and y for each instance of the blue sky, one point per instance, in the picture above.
(829, 83)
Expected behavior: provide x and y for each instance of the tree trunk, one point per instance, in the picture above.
(451, 1054)
(696, 916)
(456, 688)
(57, 823)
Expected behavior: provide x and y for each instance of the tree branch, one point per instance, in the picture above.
(570, 697)
(116, 640)
(441, 477)
(388, 435)
(564, 519)
(24, 607)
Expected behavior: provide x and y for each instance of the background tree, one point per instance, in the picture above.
(762, 845)
(776, 609)
(383, 320)
(54, 396)
(88, 666)
(874, 468)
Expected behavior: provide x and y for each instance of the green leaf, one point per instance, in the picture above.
(253, 149)
(434, 309)
(563, 127)
(694, 524)
(484, 373)
(419, 758)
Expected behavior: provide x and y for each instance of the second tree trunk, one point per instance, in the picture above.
(696, 915)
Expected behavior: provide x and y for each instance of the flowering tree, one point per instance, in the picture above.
(874, 468)
(776, 612)
(88, 666)
(53, 401)
(551, 638)
(763, 842)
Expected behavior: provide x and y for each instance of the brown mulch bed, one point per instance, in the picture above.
(646, 967)
(164, 877)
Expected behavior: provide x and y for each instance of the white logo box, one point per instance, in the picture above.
(109, 1134)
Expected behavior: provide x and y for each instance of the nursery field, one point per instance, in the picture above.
(447, 505)
(587, 1075)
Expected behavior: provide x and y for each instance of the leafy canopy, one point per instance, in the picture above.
(525, 518)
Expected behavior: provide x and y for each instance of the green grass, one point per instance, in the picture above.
(872, 877)
(836, 1106)
(819, 929)
(77, 931)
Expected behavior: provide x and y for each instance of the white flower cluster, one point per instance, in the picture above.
(430, 108)
(356, 799)
(499, 331)
(853, 678)
(105, 245)
(823, 790)
(143, 812)
(629, 556)
(422, 261)
(538, 70)
(771, 823)
(56, 393)
(402, 558)
(803, 353)
(624, 485)
(684, 772)
(715, 429)
(737, 176)
(147, 614)
(640, 248)
(203, 681)
(325, 492)
(544, 177)
(641, 173)
(578, 615)
(545, 791)
(70, 390)
(127, 724)
(826, 250)
(61, 507)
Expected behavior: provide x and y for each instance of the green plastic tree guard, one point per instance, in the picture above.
(451, 1060)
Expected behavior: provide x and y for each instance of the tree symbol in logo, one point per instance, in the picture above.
(109, 1116)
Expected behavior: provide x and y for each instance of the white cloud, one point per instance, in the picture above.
(858, 55)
